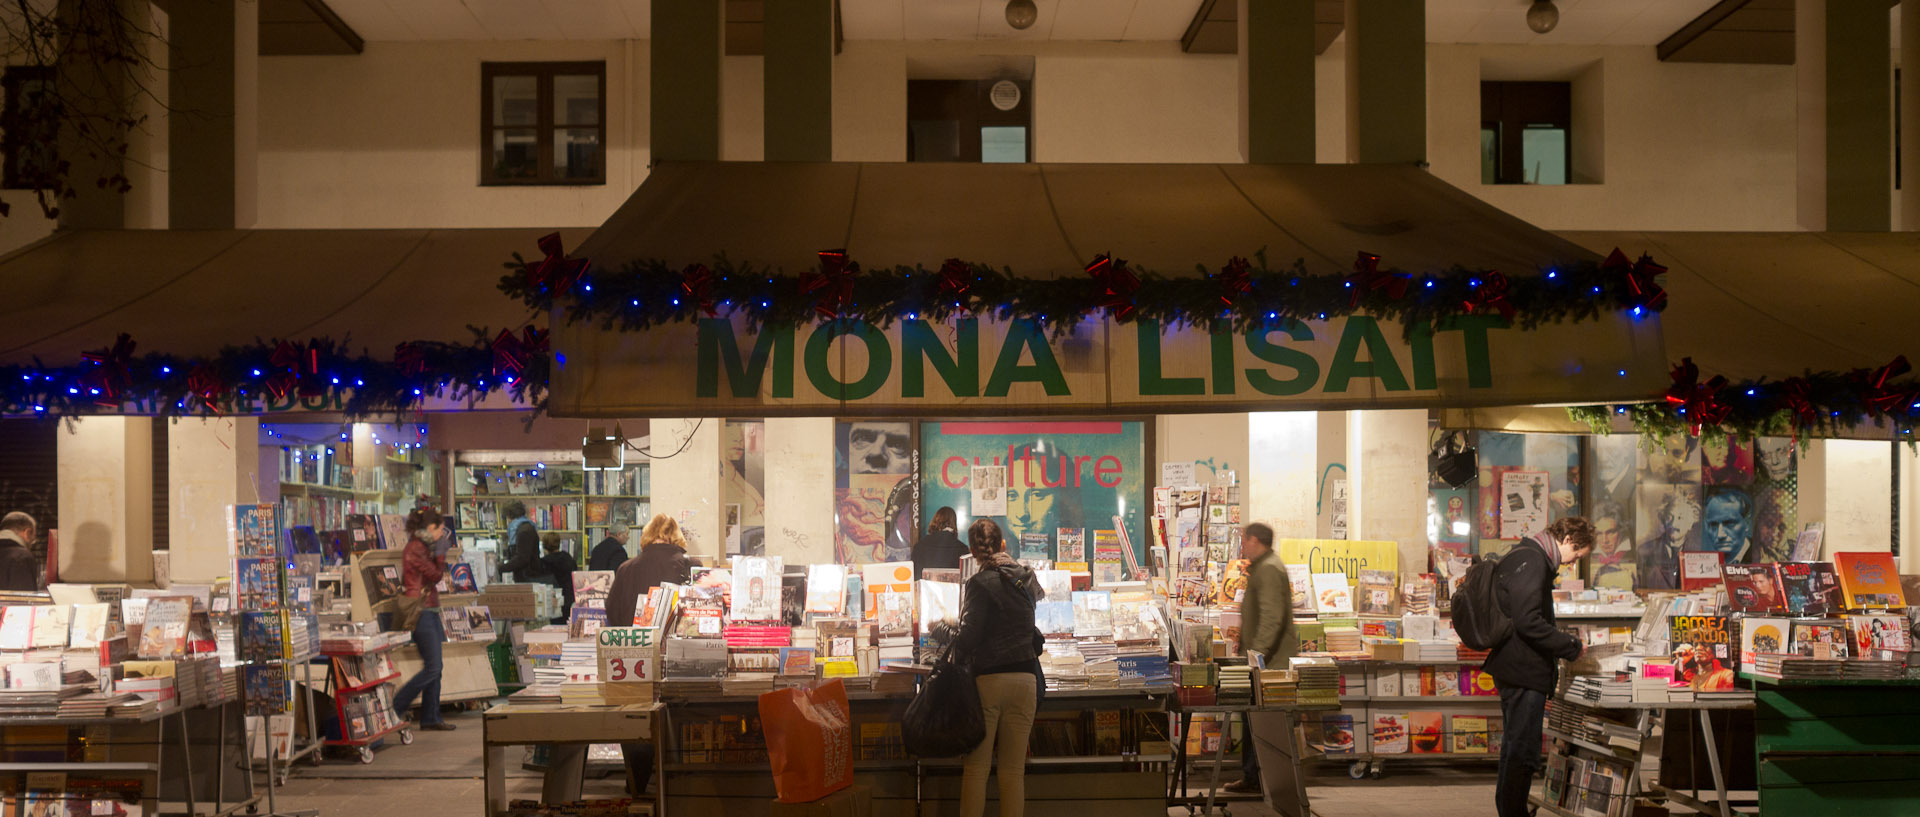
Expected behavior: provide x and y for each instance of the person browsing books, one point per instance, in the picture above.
(1266, 617)
(612, 550)
(419, 576)
(1000, 644)
(523, 546)
(662, 559)
(941, 548)
(560, 565)
(1523, 665)
(19, 568)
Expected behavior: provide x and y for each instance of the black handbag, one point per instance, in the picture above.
(944, 720)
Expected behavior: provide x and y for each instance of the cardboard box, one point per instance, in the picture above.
(853, 801)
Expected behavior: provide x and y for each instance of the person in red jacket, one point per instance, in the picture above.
(419, 575)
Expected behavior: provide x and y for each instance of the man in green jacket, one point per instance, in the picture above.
(1266, 629)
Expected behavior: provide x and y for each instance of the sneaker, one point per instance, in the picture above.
(442, 726)
(1243, 786)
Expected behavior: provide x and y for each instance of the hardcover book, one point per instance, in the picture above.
(1754, 588)
(1336, 733)
(1812, 589)
(1883, 638)
(1389, 733)
(1092, 613)
(1869, 580)
(1470, 734)
(1703, 651)
(1762, 635)
(1426, 733)
(1331, 594)
(1821, 638)
(826, 589)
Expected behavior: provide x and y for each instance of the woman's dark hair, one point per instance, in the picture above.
(984, 539)
(423, 518)
(943, 519)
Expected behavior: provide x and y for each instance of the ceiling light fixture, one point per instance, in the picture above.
(1542, 16)
(1021, 14)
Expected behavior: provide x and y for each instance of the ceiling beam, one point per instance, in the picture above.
(1215, 26)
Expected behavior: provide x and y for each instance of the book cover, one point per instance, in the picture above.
(1389, 733)
(453, 621)
(163, 632)
(939, 605)
(1070, 545)
(1376, 592)
(1331, 594)
(1107, 560)
(1470, 734)
(1137, 618)
(1754, 588)
(756, 591)
(1426, 733)
(1106, 732)
(383, 582)
(895, 618)
(393, 531)
(1231, 586)
(1883, 638)
(363, 532)
(1700, 569)
(265, 689)
(1801, 587)
(462, 578)
(1034, 546)
(88, 626)
(1820, 638)
(1300, 581)
(1702, 651)
(1336, 733)
(826, 589)
(1761, 634)
(898, 576)
(1869, 580)
(1092, 613)
(796, 661)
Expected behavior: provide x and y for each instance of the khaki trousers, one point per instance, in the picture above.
(1007, 702)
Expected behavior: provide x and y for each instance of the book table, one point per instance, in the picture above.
(1662, 714)
(1274, 731)
(1837, 746)
(158, 749)
(519, 724)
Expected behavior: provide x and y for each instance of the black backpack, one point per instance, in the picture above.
(1477, 616)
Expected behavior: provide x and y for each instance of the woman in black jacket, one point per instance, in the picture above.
(940, 549)
(999, 642)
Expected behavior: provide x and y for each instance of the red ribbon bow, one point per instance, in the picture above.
(1876, 393)
(534, 340)
(110, 374)
(411, 358)
(1492, 295)
(1698, 402)
(832, 286)
(556, 272)
(1236, 280)
(509, 354)
(1367, 276)
(207, 385)
(296, 365)
(696, 286)
(1117, 285)
(956, 277)
(1798, 394)
(1640, 277)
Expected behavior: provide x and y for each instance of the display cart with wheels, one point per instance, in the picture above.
(357, 683)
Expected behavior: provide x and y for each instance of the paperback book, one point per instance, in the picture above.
(1760, 634)
(1703, 652)
(1880, 638)
(1331, 594)
(1092, 614)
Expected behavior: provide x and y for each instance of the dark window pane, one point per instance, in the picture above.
(516, 153)
(576, 153)
(516, 100)
(576, 99)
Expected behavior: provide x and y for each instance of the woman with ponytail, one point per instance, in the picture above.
(420, 576)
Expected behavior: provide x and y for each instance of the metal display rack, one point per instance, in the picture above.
(340, 692)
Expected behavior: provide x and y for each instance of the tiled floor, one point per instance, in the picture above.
(441, 774)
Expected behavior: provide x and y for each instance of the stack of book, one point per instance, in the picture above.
(1319, 681)
(1196, 681)
(1344, 640)
(1436, 650)
(1277, 688)
(1781, 665)
(1236, 684)
(37, 703)
(91, 704)
(1871, 669)
(1650, 690)
(747, 683)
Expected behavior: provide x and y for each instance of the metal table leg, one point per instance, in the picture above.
(1713, 763)
(1219, 759)
(186, 759)
(220, 766)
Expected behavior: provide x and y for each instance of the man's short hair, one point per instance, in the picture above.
(1260, 532)
(617, 529)
(1573, 529)
(514, 509)
(18, 521)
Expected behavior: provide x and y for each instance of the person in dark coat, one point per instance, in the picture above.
(940, 549)
(662, 559)
(19, 568)
(523, 564)
(612, 551)
(1523, 666)
(999, 642)
(560, 566)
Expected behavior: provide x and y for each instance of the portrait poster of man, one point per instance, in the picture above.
(744, 486)
(1072, 474)
(875, 512)
(1668, 508)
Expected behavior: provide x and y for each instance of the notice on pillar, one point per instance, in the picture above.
(1339, 509)
(1523, 504)
(1177, 475)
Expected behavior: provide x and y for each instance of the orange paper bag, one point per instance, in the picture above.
(809, 741)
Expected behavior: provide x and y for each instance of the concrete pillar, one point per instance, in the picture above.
(1910, 117)
(105, 474)
(1387, 451)
(1387, 81)
(1331, 463)
(1215, 443)
(1276, 82)
(800, 503)
(1840, 60)
(1282, 472)
(212, 465)
(686, 485)
(799, 86)
(91, 79)
(213, 132)
(684, 76)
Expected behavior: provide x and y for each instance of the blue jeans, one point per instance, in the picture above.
(428, 636)
(1521, 711)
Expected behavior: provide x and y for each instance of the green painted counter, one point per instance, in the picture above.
(1844, 748)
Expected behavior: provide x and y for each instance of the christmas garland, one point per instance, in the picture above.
(1817, 404)
(319, 373)
(1241, 294)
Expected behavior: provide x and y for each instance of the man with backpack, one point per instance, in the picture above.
(1523, 662)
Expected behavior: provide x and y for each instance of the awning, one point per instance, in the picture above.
(1049, 220)
(190, 292)
(1776, 305)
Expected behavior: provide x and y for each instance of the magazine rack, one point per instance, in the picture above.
(347, 688)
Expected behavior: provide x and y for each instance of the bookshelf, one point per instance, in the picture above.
(320, 488)
(578, 504)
